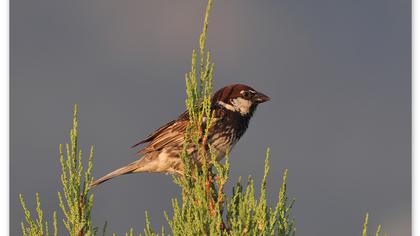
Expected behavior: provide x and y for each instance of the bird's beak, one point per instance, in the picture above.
(260, 97)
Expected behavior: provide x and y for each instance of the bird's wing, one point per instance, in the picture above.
(170, 134)
(154, 134)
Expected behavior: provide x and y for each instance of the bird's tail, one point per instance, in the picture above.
(130, 168)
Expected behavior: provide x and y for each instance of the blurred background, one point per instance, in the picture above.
(338, 74)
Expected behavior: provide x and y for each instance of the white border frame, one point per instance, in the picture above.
(4, 117)
(415, 115)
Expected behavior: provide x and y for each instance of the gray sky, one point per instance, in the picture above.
(338, 73)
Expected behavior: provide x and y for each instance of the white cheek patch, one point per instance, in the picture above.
(238, 104)
(242, 105)
(227, 106)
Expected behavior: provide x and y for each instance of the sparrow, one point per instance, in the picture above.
(233, 107)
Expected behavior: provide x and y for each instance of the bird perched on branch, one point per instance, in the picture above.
(233, 106)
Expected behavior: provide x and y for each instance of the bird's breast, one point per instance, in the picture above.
(222, 141)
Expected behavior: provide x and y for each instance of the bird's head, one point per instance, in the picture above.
(239, 98)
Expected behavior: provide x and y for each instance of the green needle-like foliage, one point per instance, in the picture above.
(76, 204)
(251, 216)
(74, 200)
(365, 227)
(36, 227)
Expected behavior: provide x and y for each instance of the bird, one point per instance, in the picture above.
(233, 107)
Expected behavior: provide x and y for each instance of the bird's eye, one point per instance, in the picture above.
(246, 94)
